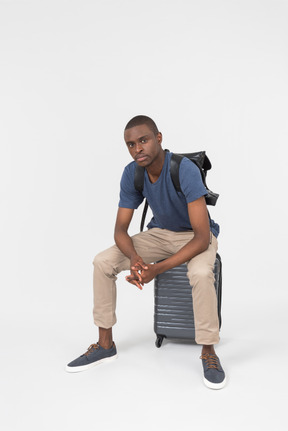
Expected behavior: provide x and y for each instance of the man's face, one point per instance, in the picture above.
(142, 144)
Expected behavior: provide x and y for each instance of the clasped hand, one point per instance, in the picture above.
(141, 272)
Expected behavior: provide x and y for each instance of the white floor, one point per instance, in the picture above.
(213, 75)
(145, 388)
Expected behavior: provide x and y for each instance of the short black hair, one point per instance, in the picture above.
(142, 119)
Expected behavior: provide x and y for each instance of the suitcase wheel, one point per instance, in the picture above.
(159, 340)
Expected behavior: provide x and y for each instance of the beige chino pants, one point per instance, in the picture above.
(153, 245)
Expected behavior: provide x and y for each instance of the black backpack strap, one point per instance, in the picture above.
(139, 185)
(174, 170)
(144, 215)
(139, 178)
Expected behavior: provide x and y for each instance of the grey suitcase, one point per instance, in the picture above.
(173, 314)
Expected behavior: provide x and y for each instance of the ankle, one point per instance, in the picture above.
(105, 338)
(105, 346)
(208, 349)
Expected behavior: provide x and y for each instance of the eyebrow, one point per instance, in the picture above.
(139, 139)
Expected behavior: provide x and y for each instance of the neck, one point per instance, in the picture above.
(155, 169)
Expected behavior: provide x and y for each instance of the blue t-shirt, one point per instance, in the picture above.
(168, 206)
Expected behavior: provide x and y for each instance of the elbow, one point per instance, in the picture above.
(116, 235)
(204, 242)
(204, 246)
(116, 230)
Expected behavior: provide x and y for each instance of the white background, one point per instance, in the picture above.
(213, 75)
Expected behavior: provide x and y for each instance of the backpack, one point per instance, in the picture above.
(199, 159)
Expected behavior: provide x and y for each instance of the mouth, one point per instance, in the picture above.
(141, 158)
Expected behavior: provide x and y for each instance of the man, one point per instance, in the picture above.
(180, 231)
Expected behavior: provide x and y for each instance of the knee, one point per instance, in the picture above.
(111, 261)
(106, 263)
(99, 260)
(200, 274)
(96, 259)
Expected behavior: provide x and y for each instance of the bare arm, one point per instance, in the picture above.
(125, 244)
(200, 221)
(122, 239)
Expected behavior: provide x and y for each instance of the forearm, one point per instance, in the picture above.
(194, 247)
(125, 243)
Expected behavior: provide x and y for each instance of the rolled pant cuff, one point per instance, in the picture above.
(104, 324)
(205, 340)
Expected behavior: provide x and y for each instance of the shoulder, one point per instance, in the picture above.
(182, 165)
(188, 169)
(190, 179)
(129, 171)
(187, 165)
(183, 161)
(130, 167)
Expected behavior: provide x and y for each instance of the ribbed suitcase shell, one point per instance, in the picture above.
(173, 317)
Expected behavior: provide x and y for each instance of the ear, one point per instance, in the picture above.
(159, 138)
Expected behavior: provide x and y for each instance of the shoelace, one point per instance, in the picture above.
(211, 360)
(91, 349)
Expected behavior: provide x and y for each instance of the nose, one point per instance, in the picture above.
(138, 148)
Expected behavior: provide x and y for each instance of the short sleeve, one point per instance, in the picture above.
(129, 196)
(191, 181)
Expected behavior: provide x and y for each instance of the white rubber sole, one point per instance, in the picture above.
(214, 385)
(88, 366)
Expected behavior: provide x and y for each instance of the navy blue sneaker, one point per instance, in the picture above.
(95, 355)
(214, 376)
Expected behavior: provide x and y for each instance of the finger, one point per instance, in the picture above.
(138, 285)
(141, 263)
(134, 273)
(131, 279)
(137, 275)
(135, 283)
(143, 266)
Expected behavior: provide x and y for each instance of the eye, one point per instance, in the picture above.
(143, 141)
(130, 145)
